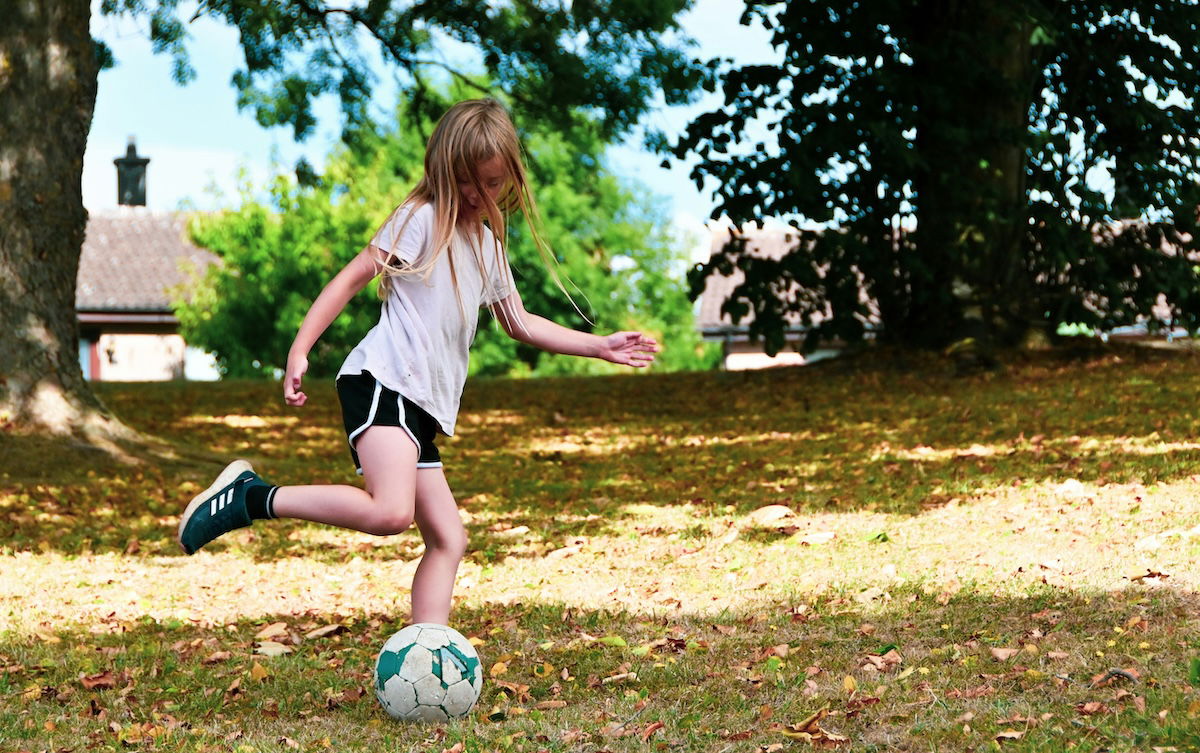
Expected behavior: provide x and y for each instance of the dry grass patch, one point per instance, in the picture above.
(1002, 562)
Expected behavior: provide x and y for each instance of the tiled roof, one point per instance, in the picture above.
(768, 242)
(132, 258)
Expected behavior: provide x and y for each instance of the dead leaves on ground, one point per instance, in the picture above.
(810, 731)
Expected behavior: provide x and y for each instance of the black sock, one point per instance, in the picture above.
(260, 502)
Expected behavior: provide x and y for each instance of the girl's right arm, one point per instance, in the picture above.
(344, 286)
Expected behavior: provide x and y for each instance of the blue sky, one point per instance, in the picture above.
(196, 138)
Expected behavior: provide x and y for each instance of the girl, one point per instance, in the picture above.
(442, 256)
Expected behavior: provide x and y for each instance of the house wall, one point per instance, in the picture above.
(139, 358)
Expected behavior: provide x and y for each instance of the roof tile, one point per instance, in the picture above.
(133, 257)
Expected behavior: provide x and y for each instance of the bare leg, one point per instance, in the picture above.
(389, 462)
(445, 543)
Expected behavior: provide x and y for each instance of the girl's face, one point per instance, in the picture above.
(492, 175)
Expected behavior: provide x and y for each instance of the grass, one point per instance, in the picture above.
(961, 565)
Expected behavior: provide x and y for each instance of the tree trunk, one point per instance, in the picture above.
(973, 63)
(48, 74)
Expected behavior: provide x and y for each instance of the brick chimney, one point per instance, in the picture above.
(131, 177)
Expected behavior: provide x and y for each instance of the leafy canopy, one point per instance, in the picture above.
(946, 151)
(277, 255)
(581, 64)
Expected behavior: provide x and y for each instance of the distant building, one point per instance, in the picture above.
(775, 241)
(131, 267)
(738, 351)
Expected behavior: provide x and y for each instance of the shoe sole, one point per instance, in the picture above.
(226, 477)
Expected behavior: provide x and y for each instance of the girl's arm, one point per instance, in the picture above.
(627, 348)
(344, 286)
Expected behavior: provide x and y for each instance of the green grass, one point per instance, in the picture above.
(1013, 537)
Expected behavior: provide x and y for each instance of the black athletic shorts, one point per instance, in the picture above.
(366, 403)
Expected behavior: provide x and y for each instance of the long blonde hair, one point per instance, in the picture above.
(469, 133)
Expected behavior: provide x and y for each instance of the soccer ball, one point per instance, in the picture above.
(429, 673)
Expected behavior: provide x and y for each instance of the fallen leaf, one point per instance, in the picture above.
(272, 649)
(650, 729)
(217, 657)
(271, 631)
(1004, 654)
(102, 681)
(549, 705)
(324, 631)
(1092, 707)
(769, 516)
(1009, 734)
(810, 731)
(516, 691)
(1148, 574)
(258, 673)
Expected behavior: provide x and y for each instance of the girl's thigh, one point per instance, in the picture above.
(389, 461)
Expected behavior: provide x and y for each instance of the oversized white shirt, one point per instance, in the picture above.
(421, 344)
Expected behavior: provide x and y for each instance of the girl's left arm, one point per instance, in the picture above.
(626, 348)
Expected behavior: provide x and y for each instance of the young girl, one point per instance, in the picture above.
(442, 256)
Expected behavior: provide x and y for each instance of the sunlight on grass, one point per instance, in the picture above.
(238, 421)
(922, 562)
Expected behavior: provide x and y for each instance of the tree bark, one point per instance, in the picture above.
(48, 76)
(974, 61)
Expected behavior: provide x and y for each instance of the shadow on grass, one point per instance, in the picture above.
(966, 669)
(572, 457)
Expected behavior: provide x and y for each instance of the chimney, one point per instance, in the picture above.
(131, 177)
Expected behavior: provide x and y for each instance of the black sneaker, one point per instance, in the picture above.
(219, 509)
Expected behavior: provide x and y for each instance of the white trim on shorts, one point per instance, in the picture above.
(403, 425)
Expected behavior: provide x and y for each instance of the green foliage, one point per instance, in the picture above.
(550, 58)
(975, 128)
(625, 268)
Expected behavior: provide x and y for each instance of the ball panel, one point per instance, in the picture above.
(448, 666)
(401, 638)
(429, 714)
(388, 664)
(464, 657)
(460, 698)
(418, 663)
(430, 690)
(434, 637)
(398, 697)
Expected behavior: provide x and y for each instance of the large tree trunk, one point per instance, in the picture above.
(48, 74)
(972, 61)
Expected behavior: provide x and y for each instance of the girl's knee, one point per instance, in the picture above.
(451, 543)
(390, 519)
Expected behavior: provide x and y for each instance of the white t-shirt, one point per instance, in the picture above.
(420, 346)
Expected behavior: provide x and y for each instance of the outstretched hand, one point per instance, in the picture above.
(629, 349)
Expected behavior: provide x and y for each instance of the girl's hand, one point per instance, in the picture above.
(297, 365)
(629, 349)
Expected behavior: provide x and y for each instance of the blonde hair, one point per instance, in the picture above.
(469, 133)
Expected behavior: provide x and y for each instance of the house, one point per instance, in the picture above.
(738, 351)
(775, 241)
(132, 263)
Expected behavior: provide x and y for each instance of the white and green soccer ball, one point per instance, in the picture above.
(428, 673)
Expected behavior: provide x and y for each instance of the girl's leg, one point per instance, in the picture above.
(389, 462)
(445, 543)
